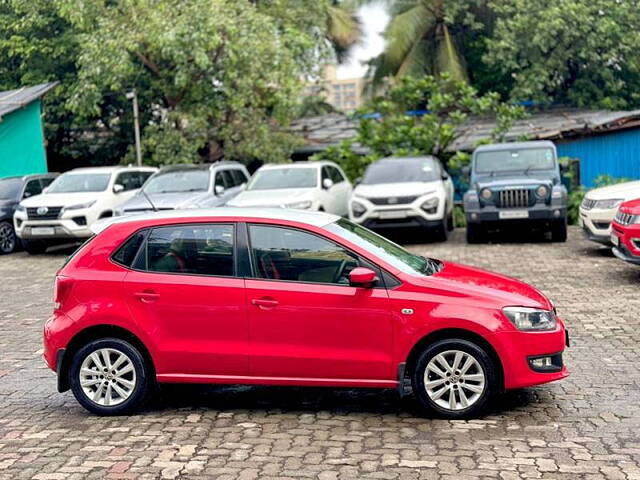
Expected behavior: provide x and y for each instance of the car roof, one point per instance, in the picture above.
(109, 169)
(316, 219)
(406, 159)
(318, 164)
(199, 166)
(515, 145)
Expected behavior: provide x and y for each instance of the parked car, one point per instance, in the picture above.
(599, 207)
(189, 186)
(515, 183)
(75, 200)
(286, 297)
(405, 192)
(625, 232)
(12, 191)
(319, 186)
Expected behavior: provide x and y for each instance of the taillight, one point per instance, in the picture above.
(61, 290)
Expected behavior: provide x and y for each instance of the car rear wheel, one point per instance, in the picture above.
(34, 247)
(8, 241)
(109, 377)
(454, 379)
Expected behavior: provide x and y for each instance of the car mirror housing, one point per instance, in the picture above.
(117, 188)
(362, 277)
(218, 189)
(327, 183)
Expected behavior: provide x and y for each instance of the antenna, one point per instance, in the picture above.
(148, 199)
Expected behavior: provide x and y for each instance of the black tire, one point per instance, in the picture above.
(142, 380)
(450, 223)
(8, 239)
(475, 233)
(34, 247)
(441, 232)
(559, 231)
(479, 400)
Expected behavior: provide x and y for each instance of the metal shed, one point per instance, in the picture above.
(22, 149)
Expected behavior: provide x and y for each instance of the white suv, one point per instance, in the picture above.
(599, 207)
(320, 186)
(405, 192)
(76, 199)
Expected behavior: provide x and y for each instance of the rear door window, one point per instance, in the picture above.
(33, 187)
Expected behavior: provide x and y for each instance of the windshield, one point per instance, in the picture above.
(514, 160)
(80, 182)
(388, 251)
(400, 171)
(273, 178)
(10, 188)
(179, 181)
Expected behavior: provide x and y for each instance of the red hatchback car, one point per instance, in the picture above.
(625, 232)
(282, 297)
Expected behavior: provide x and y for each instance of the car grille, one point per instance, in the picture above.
(625, 218)
(514, 198)
(51, 213)
(392, 200)
(588, 204)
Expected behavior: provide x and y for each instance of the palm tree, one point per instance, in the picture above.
(420, 40)
(343, 26)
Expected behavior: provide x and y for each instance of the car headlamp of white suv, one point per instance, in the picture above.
(303, 205)
(531, 319)
(78, 206)
(609, 203)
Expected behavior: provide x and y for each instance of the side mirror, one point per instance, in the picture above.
(27, 194)
(362, 277)
(564, 168)
(218, 189)
(45, 189)
(327, 183)
(466, 171)
(117, 188)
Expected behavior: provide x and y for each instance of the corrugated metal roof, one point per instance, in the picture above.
(11, 100)
(553, 124)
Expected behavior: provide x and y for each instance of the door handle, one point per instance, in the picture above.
(147, 297)
(264, 302)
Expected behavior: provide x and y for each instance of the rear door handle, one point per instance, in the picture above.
(147, 297)
(264, 302)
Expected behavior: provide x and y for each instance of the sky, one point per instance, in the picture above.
(374, 19)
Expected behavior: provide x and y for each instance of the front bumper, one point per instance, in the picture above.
(516, 350)
(596, 224)
(399, 216)
(623, 254)
(63, 228)
(628, 244)
(492, 214)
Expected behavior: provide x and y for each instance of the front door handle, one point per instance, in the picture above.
(264, 303)
(147, 296)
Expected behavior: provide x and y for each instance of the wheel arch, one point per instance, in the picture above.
(96, 332)
(451, 333)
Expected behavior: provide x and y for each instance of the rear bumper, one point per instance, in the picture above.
(516, 361)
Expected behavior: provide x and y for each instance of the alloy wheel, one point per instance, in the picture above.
(7, 238)
(454, 380)
(107, 377)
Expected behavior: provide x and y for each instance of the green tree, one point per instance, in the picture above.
(577, 52)
(221, 76)
(397, 129)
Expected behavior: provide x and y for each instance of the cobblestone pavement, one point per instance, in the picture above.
(587, 426)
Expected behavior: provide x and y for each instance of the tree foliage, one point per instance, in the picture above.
(420, 116)
(577, 52)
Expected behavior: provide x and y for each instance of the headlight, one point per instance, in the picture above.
(358, 209)
(608, 204)
(542, 191)
(299, 205)
(486, 194)
(78, 206)
(431, 205)
(531, 319)
(21, 208)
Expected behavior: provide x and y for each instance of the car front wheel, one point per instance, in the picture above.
(109, 377)
(8, 241)
(454, 379)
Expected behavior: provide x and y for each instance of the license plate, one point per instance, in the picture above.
(43, 231)
(512, 214)
(615, 240)
(393, 214)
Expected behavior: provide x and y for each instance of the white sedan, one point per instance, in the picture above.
(319, 186)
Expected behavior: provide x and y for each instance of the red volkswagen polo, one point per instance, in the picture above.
(625, 232)
(284, 297)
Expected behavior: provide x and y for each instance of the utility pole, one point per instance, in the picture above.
(132, 95)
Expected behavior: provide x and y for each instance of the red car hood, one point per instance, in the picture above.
(487, 286)
(632, 207)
